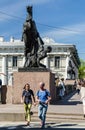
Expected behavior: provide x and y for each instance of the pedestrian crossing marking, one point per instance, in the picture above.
(12, 127)
(15, 126)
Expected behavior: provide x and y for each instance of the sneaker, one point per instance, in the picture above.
(28, 124)
(43, 126)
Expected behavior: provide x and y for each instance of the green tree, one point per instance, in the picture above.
(82, 69)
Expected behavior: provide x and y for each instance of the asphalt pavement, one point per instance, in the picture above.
(36, 126)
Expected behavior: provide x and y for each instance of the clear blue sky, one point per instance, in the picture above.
(62, 20)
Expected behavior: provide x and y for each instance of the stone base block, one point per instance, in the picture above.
(33, 78)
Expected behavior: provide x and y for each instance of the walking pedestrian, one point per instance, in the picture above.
(42, 97)
(61, 88)
(78, 87)
(82, 92)
(75, 84)
(27, 98)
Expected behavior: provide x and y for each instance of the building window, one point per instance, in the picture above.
(65, 49)
(57, 62)
(51, 59)
(14, 61)
(59, 49)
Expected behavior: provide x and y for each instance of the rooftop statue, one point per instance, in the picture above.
(34, 46)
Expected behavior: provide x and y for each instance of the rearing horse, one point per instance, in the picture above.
(34, 49)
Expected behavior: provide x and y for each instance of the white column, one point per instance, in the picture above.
(46, 62)
(67, 61)
(4, 74)
(10, 79)
(23, 60)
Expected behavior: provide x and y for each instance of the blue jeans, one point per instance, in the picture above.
(42, 110)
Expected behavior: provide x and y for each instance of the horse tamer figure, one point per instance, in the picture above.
(34, 46)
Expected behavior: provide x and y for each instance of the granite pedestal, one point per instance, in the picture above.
(33, 77)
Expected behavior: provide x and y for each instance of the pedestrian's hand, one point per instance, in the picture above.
(46, 102)
(22, 100)
(38, 101)
(34, 103)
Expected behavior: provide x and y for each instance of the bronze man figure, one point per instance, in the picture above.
(34, 46)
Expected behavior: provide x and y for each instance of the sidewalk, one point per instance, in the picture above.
(70, 107)
(71, 104)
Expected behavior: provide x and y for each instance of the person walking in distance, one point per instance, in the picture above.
(62, 88)
(42, 97)
(27, 98)
(82, 92)
(78, 86)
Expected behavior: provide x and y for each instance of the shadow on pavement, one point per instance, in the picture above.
(68, 100)
(50, 126)
(69, 103)
(20, 127)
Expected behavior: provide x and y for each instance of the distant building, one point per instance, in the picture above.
(63, 60)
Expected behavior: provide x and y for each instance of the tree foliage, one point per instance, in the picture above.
(82, 69)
